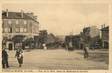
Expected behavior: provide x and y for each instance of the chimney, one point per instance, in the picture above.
(6, 12)
(22, 13)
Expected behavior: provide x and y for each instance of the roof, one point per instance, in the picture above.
(16, 15)
(105, 28)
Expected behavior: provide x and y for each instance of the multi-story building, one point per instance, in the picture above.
(17, 27)
(105, 36)
(91, 36)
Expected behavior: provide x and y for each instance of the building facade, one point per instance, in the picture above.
(17, 27)
(105, 36)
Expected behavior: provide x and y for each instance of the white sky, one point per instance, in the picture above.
(63, 18)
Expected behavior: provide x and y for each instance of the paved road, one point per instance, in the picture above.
(60, 59)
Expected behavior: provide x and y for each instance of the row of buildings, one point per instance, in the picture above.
(91, 36)
(23, 28)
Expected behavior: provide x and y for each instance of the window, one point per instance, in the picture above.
(9, 22)
(25, 22)
(17, 22)
(10, 30)
(21, 29)
(25, 30)
(17, 29)
(6, 30)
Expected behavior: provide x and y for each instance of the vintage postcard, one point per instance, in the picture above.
(64, 36)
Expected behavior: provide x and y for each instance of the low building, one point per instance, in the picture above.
(75, 41)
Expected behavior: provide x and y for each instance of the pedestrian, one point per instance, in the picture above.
(19, 56)
(5, 63)
(44, 46)
(70, 46)
(86, 48)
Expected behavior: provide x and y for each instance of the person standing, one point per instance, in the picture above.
(70, 46)
(44, 46)
(19, 56)
(5, 63)
(86, 51)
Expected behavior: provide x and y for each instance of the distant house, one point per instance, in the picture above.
(74, 39)
(17, 27)
(105, 36)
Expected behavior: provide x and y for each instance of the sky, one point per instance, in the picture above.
(64, 18)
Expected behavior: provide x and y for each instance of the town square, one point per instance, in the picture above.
(55, 36)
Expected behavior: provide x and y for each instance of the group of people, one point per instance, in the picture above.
(18, 55)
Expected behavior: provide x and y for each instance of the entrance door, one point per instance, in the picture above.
(10, 46)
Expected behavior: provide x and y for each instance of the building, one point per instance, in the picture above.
(105, 36)
(75, 40)
(17, 27)
(91, 36)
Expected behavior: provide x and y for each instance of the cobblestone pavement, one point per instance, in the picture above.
(60, 59)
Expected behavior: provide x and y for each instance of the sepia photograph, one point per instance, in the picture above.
(55, 36)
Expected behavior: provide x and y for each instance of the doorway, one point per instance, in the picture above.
(10, 46)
